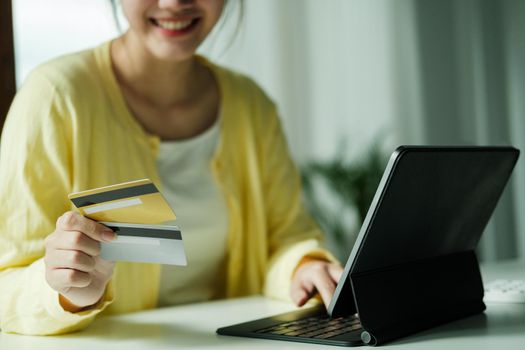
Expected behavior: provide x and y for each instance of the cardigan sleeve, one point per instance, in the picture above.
(293, 235)
(35, 178)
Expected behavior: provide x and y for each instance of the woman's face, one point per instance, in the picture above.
(171, 29)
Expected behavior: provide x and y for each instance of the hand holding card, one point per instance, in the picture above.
(133, 210)
(73, 266)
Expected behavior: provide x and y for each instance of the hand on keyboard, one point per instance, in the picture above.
(315, 276)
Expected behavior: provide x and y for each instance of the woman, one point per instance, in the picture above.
(145, 106)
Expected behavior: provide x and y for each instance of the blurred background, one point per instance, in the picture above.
(353, 79)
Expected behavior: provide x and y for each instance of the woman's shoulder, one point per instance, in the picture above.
(67, 72)
(240, 87)
(245, 103)
(58, 89)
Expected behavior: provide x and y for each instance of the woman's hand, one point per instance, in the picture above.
(73, 266)
(312, 277)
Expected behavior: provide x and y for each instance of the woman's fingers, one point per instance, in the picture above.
(315, 276)
(75, 232)
(72, 221)
(73, 265)
(300, 296)
(335, 271)
(73, 240)
(62, 280)
(324, 284)
(302, 290)
(104, 267)
(70, 259)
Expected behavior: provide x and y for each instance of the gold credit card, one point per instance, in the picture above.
(136, 202)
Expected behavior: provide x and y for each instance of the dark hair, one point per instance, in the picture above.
(240, 19)
(115, 15)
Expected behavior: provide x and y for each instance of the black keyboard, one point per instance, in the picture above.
(320, 327)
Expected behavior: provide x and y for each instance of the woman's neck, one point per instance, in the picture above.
(174, 100)
(163, 84)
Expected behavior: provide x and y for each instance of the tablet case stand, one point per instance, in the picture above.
(401, 300)
(413, 266)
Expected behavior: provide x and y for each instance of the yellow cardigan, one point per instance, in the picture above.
(69, 129)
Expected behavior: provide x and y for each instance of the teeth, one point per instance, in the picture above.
(170, 25)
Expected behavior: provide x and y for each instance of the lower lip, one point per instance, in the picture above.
(177, 32)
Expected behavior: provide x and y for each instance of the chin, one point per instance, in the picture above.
(174, 54)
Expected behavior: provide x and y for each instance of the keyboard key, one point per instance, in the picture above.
(321, 327)
(280, 331)
(313, 333)
(324, 336)
(293, 333)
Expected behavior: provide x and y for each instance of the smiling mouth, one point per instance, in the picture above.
(179, 27)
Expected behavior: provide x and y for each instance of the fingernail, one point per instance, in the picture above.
(108, 235)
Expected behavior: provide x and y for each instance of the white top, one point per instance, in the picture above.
(192, 191)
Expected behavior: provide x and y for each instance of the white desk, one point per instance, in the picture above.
(193, 327)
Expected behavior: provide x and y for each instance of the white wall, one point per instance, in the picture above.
(326, 63)
(46, 29)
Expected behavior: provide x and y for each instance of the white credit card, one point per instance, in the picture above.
(161, 244)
